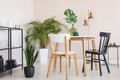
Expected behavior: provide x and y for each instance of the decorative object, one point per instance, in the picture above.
(30, 59)
(90, 15)
(75, 33)
(86, 21)
(71, 18)
(10, 63)
(40, 30)
(1, 63)
(112, 44)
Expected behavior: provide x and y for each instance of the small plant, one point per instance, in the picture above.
(29, 54)
(71, 18)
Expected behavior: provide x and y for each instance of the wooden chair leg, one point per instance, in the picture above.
(66, 62)
(55, 63)
(99, 65)
(76, 64)
(60, 64)
(106, 64)
(50, 65)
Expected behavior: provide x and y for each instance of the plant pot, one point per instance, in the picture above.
(29, 71)
(75, 33)
(43, 55)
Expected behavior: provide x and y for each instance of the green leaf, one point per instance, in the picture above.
(40, 30)
(29, 54)
(70, 16)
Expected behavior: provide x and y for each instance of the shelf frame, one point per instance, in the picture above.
(10, 48)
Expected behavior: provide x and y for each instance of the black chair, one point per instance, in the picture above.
(103, 45)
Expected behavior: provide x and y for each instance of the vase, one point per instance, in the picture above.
(75, 33)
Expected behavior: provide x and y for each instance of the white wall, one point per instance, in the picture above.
(106, 15)
(15, 12)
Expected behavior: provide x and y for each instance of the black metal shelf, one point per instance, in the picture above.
(10, 48)
(4, 49)
(7, 69)
(6, 28)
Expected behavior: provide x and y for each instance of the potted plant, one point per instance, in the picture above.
(40, 30)
(30, 59)
(71, 18)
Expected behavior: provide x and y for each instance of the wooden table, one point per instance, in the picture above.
(83, 39)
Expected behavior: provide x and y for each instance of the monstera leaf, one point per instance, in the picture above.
(70, 16)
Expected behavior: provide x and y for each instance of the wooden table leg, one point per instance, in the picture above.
(84, 56)
(94, 48)
(69, 50)
(66, 62)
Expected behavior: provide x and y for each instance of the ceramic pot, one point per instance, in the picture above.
(29, 71)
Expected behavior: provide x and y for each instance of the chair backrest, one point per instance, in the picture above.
(104, 40)
(58, 38)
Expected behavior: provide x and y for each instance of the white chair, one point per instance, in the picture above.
(57, 39)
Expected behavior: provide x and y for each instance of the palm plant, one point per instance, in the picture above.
(40, 30)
